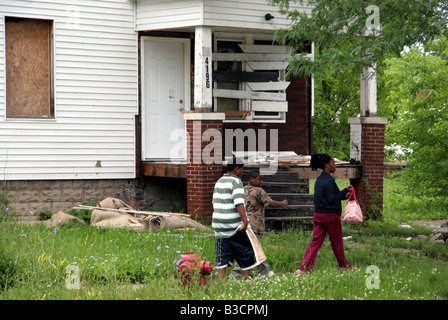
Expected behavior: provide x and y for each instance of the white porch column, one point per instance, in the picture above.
(203, 67)
(368, 93)
(368, 108)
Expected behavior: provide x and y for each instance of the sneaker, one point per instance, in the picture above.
(299, 272)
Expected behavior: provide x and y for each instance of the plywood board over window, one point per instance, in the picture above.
(258, 85)
(28, 68)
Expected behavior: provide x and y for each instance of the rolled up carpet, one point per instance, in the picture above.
(155, 223)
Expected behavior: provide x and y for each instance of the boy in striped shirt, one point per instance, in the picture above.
(230, 221)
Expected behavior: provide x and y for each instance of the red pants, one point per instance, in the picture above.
(325, 223)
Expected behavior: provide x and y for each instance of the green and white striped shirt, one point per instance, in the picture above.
(228, 193)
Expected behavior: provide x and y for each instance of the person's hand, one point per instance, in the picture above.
(349, 188)
(243, 227)
(242, 213)
(285, 203)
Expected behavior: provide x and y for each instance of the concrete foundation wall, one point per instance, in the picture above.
(27, 199)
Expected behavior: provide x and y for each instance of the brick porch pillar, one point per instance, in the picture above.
(367, 146)
(204, 162)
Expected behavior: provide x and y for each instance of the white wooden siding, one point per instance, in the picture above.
(95, 90)
(168, 14)
(245, 14)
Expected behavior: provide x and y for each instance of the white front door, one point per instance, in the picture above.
(165, 93)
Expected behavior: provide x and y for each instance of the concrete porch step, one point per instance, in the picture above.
(293, 198)
(282, 218)
(279, 176)
(295, 210)
(279, 224)
(286, 187)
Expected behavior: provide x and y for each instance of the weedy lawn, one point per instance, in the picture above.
(76, 261)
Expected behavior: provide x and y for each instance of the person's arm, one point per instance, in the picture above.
(239, 197)
(283, 203)
(243, 216)
(334, 194)
(266, 200)
(349, 188)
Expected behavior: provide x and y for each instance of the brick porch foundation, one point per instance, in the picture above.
(203, 172)
(369, 189)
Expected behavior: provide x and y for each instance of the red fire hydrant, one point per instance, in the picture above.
(191, 267)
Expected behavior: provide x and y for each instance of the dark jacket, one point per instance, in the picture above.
(327, 196)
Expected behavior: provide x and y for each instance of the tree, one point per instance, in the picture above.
(336, 99)
(355, 34)
(415, 100)
(350, 36)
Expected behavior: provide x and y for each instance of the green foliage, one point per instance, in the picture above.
(438, 47)
(7, 271)
(416, 96)
(346, 34)
(83, 214)
(4, 204)
(336, 100)
(401, 205)
(347, 38)
(117, 264)
(45, 215)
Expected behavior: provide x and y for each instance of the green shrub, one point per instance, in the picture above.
(83, 214)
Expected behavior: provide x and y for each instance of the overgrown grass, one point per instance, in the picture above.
(400, 206)
(37, 262)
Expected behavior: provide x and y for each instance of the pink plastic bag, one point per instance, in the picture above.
(352, 211)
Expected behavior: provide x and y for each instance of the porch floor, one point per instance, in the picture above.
(290, 162)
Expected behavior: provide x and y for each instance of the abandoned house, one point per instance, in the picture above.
(121, 98)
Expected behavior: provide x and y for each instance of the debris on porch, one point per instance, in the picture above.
(280, 157)
(299, 164)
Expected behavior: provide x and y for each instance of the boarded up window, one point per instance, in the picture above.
(249, 78)
(228, 104)
(28, 68)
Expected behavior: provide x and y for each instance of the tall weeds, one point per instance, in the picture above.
(35, 263)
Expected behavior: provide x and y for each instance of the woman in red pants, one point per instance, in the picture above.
(327, 214)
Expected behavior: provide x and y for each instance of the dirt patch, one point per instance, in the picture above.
(356, 245)
(433, 224)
